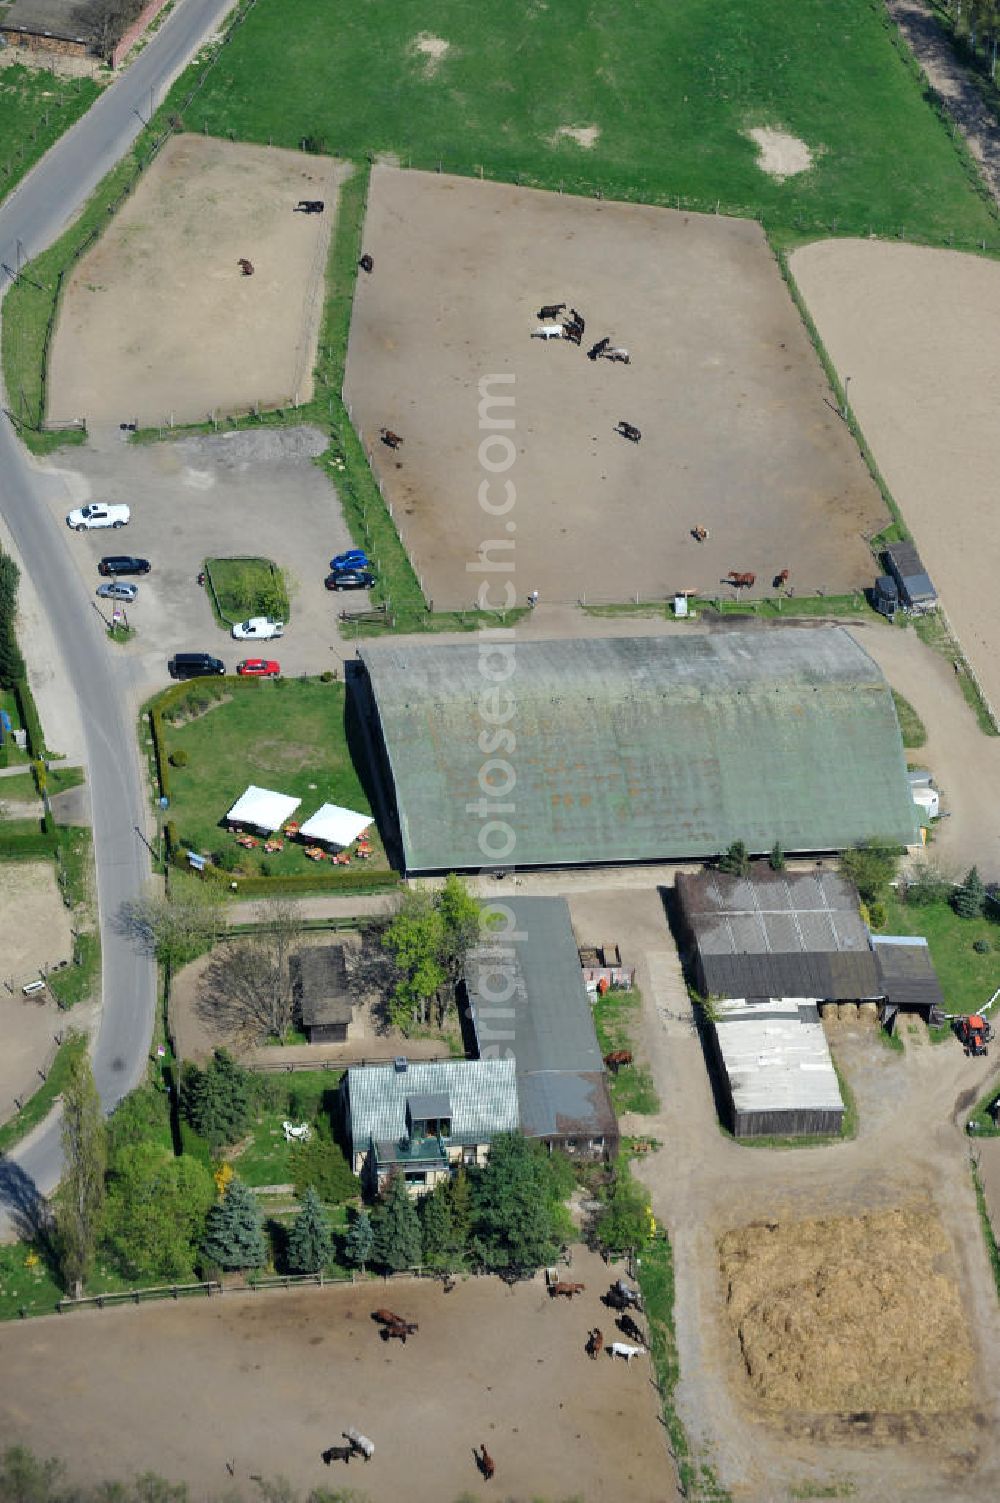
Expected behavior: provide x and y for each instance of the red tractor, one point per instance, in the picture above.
(974, 1033)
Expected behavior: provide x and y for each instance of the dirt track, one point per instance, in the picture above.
(269, 1380)
(739, 433)
(158, 319)
(924, 390)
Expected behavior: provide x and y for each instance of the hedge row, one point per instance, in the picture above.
(328, 881)
(29, 718)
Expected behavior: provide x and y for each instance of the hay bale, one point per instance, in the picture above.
(868, 1013)
(829, 1318)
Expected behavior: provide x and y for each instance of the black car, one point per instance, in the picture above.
(123, 563)
(194, 665)
(350, 579)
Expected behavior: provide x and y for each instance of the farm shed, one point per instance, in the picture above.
(634, 749)
(527, 999)
(426, 1118)
(322, 995)
(908, 980)
(776, 934)
(773, 1069)
(68, 27)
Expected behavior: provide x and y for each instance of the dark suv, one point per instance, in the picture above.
(194, 665)
(123, 563)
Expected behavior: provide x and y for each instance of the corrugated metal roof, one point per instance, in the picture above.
(778, 934)
(907, 971)
(776, 1056)
(907, 566)
(528, 998)
(645, 748)
(482, 1094)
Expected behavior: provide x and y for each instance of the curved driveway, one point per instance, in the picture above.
(40, 208)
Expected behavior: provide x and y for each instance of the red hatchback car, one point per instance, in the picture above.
(258, 668)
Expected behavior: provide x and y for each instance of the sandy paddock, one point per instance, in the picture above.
(267, 1381)
(740, 433)
(158, 318)
(34, 922)
(918, 331)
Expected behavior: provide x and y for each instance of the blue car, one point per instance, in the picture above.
(354, 558)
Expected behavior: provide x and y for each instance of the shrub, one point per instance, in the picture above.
(878, 914)
(321, 1164)
(735, 860)
(178, 758)
(217, 1101)
(327, 676)
(981, 946)
(969, 900)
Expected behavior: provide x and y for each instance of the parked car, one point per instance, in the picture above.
(354, 558)
(118, 589)
(258, 629)
(258, 668)
(123, 563)
(350, 579)
(194, 665)
(97, 514)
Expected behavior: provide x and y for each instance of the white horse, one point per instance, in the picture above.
(622, 1349)
(360, 1443)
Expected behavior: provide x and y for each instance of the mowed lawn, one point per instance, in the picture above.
(35, 109)
(670, 86)
(290, 735)
(968, 979)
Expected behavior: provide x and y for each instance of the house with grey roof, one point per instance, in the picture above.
(527, 1002)
(425, 1118)
(638, 749)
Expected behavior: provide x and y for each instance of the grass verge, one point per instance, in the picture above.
(911, 727)
(656, 1279)
(616, 1016)
(241, 587)
(989, 1237)
(36, 108)
(933, 631)
(979, 1119)
(37, 1108)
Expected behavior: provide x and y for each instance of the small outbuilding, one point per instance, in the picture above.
(776, 934)
(262, 809)
(322, 993)
(908, 980)
(773, 1069)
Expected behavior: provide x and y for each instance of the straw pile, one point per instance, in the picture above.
(849, 1314)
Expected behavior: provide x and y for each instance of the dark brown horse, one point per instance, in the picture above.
(595, 1343)
(485, 1462)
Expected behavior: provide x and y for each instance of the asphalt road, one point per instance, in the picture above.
(35, 214)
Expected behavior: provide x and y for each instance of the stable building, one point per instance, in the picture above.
(773, 1071)
(527, 1001)
(632, 749)
(908, 980)
(425, 1119)
(776, 934)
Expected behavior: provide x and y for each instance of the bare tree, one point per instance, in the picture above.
(175, 930)
(246, 990)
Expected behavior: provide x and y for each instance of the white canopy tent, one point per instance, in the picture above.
(262, 808)
(335, 826)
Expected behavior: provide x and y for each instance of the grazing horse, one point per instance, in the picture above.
(780, 580)
(485, 1462)
(740, 581)
(571, 332)
(700, 534)
(359, 1443)
(617, 1060)
(338, 1453)
(578, 319)
(622, 1349)
(598, 349)
(595, 1343)
(366, 263)
(245, 266)
(399, 1330)
(549, 331)
(568, 1290)
(387, 1318)
(550, 310)
(628, 1328)
(390, 439)
(628, 430)
(619, 357)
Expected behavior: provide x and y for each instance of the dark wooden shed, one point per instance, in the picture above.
(322, 994)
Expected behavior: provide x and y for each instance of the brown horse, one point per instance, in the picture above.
(740, 581)
(568, 1290)
(595, 1343)
(617, 1060)
(245, 266)
(387, 1318)
(485, 1462)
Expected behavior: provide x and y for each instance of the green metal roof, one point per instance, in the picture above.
(641, 748)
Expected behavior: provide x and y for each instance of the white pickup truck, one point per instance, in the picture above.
(97, 514)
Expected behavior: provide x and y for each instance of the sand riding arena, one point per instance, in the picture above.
(160, 317)
(739, 433)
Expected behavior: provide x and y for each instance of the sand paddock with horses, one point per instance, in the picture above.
(740, 435)
(266, 1382)
(159, 318)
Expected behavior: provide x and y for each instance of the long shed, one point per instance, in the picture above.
(773, 1069)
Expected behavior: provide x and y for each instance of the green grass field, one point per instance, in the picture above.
(616, 1020)
(287, 734)
(671, 88)
(35, 109)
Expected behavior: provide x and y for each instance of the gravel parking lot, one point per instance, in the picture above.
(253, 492)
